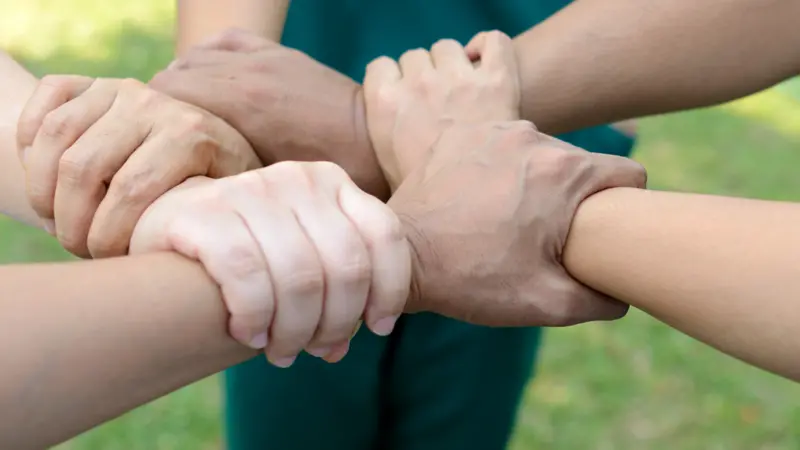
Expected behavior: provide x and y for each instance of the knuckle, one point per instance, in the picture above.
(77, 171)
(386, 97)
(387, 227)
(445, 43)
(243, 262)
(497, 35)
(131, 84)
(134, 189)
(61, 85)
(353, 271)
(291, 173)
(190, 121)
(427, 81)
(58, 125)
(325, 169)
(303, 283)
(137, 94)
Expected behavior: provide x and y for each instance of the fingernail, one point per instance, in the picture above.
(338, 353)
(320, 352)
(49, 226)
(284, 362)
(384, 326)
(259, 342)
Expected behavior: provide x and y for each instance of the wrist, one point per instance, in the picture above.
(367, 173)
(415, 245)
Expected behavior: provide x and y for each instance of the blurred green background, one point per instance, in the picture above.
(633, 384)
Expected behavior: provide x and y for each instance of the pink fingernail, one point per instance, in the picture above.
(320, 352)
(385, 326)
(284, 362)
(49, 226)
(259, 342)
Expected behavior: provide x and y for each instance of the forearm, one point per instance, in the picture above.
(199, 19)
(599, 61)
(94, 339)
(16, 86)
(723, 270)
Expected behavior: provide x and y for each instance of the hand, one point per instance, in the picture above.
(289, 106)
(488, 217)
(299, 251)
(98, 152)
(409, 104)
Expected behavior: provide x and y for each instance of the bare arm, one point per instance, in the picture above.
(85, 352)
(16, 85)
(723, 270)
(199, 19)
(599, 61)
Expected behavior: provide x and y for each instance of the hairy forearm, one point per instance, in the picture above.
(200, 19)
(16, 87)
(87, 341)
(599, 61)
(723, 270)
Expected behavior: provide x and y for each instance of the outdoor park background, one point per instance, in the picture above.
(634, 384)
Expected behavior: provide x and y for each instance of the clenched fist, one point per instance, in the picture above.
(289, 106)
(412, 101)
(488, 216)
(98, 152)
(301, 254)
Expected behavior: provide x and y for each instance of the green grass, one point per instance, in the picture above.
(632, 384)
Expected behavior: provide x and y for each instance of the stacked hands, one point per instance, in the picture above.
(479, 203)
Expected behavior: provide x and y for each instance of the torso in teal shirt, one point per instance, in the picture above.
(435, 383)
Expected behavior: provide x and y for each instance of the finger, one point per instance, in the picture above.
(449, 56)
(578, 303)
(159, 164)
(380, 73)
(495, 50)
(225, 246)
(51, 92)
(342, 253)
(389, 254)
(616, 171)
(415, 62)
(338, 352)
(86, 168)
(296, 273)
(60, 129)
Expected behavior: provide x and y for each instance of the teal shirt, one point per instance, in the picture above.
(348, 34)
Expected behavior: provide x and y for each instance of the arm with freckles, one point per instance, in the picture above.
(722, 270)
